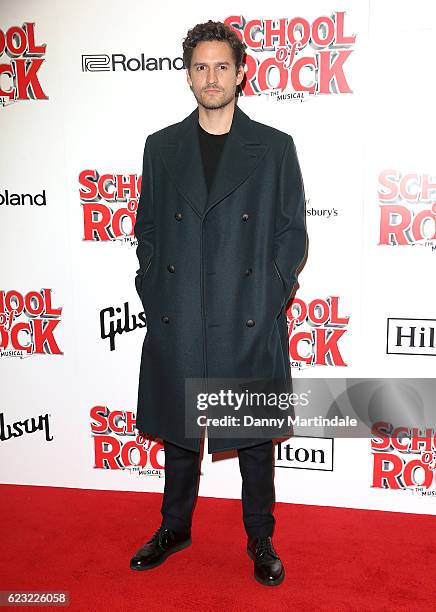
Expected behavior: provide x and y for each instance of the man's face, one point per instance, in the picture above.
(213, 78)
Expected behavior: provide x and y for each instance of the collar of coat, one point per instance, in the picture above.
(241, 154)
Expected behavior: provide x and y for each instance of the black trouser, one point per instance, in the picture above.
(182, 472)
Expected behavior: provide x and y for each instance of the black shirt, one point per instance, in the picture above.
(211, 146)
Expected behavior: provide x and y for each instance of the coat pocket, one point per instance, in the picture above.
(279, 279)
(140, 277)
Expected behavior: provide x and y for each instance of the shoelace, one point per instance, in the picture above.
(264, 545)
(160, 535)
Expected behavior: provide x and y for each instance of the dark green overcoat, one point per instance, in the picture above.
(215, 270)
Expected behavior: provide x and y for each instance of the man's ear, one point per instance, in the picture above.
(188, 78)
(240, 74)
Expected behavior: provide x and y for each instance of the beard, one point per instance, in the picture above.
(213, 104)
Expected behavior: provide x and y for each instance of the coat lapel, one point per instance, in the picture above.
(241, 154)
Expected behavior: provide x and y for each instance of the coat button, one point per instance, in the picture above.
(171, 268)
(250, 323)
(165, 319)
(248, 271)
(245, 217)
(178, 216)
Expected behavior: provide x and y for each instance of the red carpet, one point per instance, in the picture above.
(81, 541)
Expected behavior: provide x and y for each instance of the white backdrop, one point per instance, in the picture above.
(94, 121)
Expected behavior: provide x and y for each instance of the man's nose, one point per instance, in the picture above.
(211, 76)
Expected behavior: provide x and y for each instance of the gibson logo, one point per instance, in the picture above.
(28, 426)
(112, 323)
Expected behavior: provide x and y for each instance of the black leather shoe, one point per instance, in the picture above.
(268, 569)
(162, 544)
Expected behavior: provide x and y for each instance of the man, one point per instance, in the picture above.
(221, 231)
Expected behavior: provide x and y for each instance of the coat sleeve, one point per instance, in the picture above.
(144, 224)
(290, 227)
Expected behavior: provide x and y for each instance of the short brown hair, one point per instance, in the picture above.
(212, 30)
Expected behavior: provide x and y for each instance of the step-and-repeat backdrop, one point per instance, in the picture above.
(81, 86)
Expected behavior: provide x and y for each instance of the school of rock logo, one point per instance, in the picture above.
(314, 331)
(19, 79)
(404, 458)
(27, 324)
(294, 58)
(407, 209)
(109, 203)
(117, 446)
